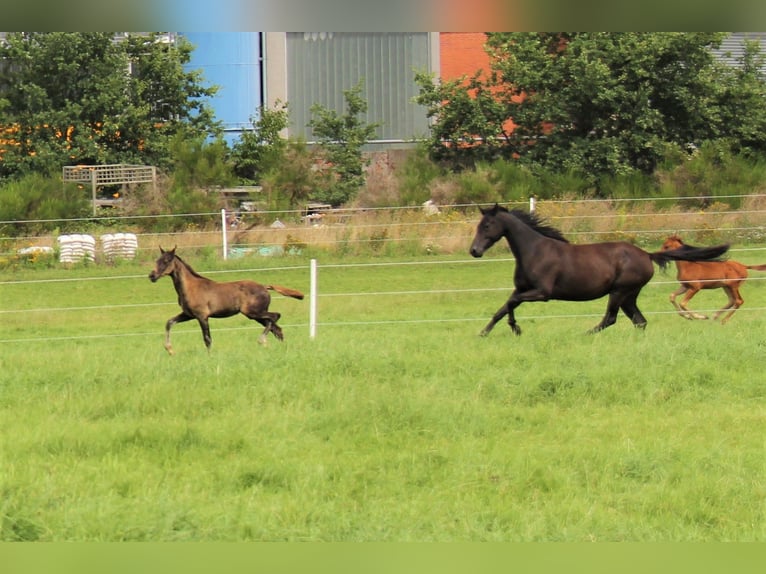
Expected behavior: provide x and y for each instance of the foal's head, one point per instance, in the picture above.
(165, 265)
(672, 242)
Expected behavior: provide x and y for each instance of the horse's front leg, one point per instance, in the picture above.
(516, 299)
(180, 318)
(203, 323)
(506, 309)
(502, 312)
(680, 291)
(689, 314)
(735, 302)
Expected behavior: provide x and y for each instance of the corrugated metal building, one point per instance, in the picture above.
(733, 46)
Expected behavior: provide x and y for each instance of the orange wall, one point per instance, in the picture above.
(462, 54)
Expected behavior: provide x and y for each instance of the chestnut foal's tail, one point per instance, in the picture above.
(286, 291)
(757, 267)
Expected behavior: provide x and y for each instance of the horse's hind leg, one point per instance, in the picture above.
(610, 318)
(630, 308)
(735, 302)
(269, 321)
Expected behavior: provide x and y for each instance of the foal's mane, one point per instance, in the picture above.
(188, 267)
(538, 224)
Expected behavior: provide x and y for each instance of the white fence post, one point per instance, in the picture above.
(532, 204)
(225, 241)
(313, 301)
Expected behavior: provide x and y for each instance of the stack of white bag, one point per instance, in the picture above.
(119, 245)
(76, 247)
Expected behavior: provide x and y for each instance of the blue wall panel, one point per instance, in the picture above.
(231, 61)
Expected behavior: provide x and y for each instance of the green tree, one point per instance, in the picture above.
(342, 137)
(469, 119)
(171, 98)
(601, 104)
(261, 149)
(742, 89)
(82, 98)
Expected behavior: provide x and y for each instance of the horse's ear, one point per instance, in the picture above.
(162, 251)
(492, 210)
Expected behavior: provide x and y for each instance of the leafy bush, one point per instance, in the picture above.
(40, 203)
(714, 171)
(476, 187)
(298, 178)
(416, 175)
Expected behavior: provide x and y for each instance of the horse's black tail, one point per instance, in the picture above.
(687, 253)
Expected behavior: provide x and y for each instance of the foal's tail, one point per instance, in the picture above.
(286, 291)
(688, 253)
(757, 267)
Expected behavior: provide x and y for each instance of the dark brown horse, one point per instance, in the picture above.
(727, 275)
(549, 267)
(201, 298)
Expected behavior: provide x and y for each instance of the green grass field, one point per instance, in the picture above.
(396, 423)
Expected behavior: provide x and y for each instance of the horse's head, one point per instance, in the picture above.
(489, 230)
(672, 242)
(165, 265)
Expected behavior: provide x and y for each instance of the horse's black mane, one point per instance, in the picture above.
(537, 223)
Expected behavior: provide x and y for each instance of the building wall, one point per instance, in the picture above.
(232, 61)
(303, 68)
(306, 68)
(733, 46)
(462, 54)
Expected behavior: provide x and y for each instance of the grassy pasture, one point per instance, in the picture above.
(397, 423)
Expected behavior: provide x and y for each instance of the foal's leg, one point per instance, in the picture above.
(680, 291)
(689, 314)
(735, 302)
(269, 320)
(203, 323)
(180, 318)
